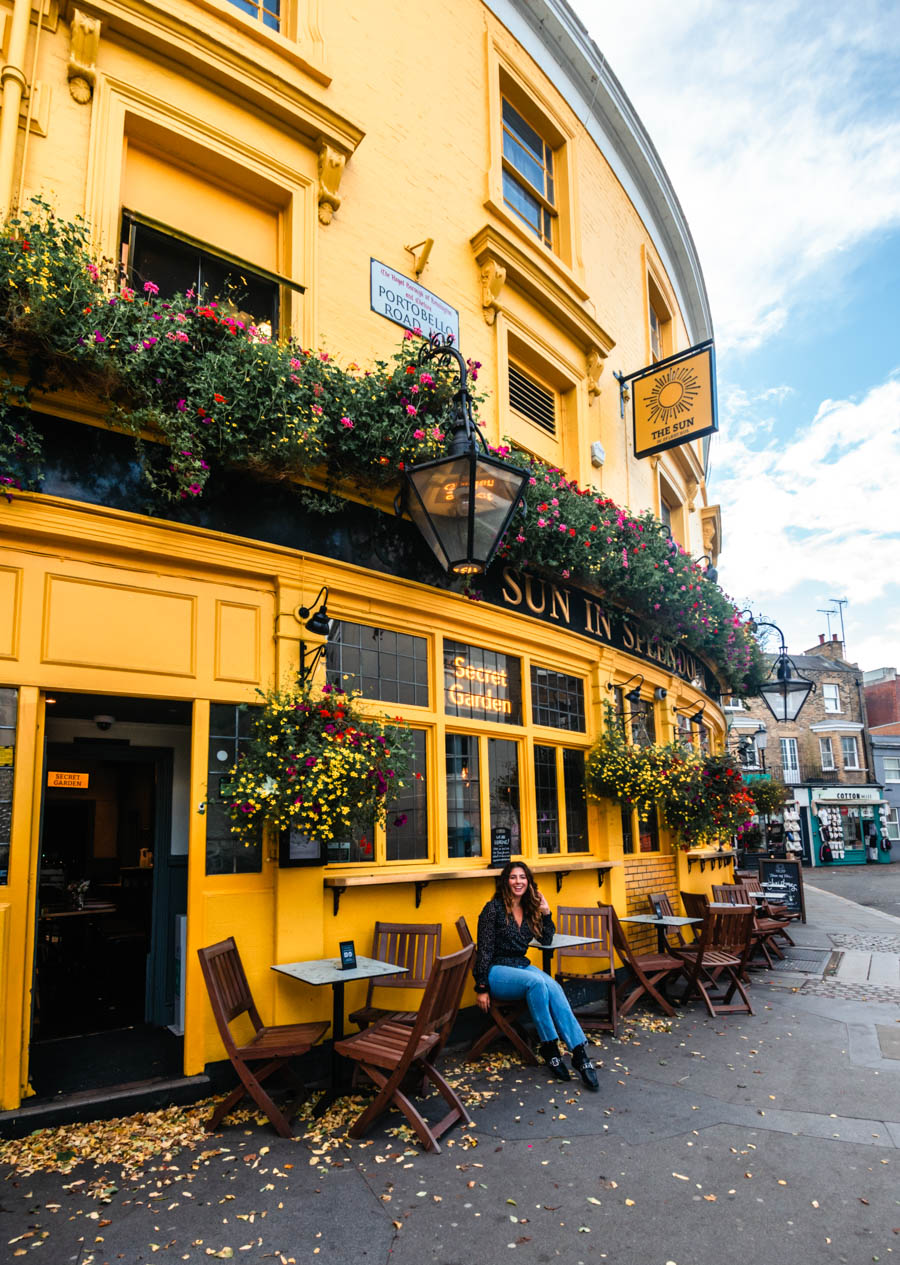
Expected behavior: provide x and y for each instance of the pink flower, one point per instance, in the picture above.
(437, 433)
(151, 287)
(181, 406)
(345, 421)
(93, 271)
(426, 379)
(195, 489)
(418, 434)
(412, 410)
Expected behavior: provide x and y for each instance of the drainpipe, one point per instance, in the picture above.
(866, 736)
(12, 88)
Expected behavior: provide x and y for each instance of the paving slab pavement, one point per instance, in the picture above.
(773, 1137)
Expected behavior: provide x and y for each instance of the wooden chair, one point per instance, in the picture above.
(411, 944)
(230, 996)
(395, 1055)
(573, 920)
(661, 905)
(502, 1014)
(723, 949)
(650, 970)
(764, 929)
(771, 908)
(695, 905)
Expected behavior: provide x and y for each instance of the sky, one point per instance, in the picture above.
(779, 126)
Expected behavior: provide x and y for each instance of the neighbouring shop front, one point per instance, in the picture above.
(849, 826)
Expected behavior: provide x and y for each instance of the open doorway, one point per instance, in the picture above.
(112, 894)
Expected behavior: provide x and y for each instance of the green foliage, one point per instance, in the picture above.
(769, 795)
(317, 764)
(185, 370)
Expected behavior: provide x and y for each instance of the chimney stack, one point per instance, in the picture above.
(834, 636)
(821, 639)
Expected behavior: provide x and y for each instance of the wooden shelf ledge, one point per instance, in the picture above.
(560, 866)
(714, 856)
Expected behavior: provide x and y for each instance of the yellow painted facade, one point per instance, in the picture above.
(307, 152)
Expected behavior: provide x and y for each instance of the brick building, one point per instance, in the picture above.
(882, 693)
(825, 755)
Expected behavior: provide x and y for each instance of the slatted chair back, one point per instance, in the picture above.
(728, 930)
(661, 905)
(229, 992)
(729, 894)
(716, 964)
(694, 904)
(651, 970)
(443, 993)
(573, 920)
(411, 944)
(503, 1015)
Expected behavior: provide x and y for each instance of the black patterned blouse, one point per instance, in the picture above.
(502, 942)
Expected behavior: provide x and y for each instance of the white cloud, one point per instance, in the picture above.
(820, 507)
(780, 128)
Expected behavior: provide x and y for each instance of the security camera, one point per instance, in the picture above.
(104, 722)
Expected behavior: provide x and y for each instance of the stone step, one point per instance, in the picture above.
(854, 966)
(884, 968)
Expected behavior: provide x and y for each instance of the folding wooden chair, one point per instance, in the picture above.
(395, 1055)
(650, 970)
(230, 996)
(410, 944)
(661, 905)
(764, 930)
(572, 920)
(723, 949)
(503, 1016)
(770, 908)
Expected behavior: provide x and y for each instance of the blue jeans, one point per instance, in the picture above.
(548, 1004)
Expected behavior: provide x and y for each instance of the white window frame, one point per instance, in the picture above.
(826, 755)
(892, 768)
(892, 824)
(829, 699)
(845, 739)
(790, 760)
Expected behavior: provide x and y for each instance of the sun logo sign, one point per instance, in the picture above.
(674, 400)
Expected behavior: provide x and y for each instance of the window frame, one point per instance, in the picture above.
(831, 685)
(892, 824)
(845, 739)
(894, 762)
(546, 205)
(825, 744)
(261, 7)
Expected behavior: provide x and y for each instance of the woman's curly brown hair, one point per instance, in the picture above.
(531, 902)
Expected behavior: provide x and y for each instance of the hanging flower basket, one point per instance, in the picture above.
(315, 763)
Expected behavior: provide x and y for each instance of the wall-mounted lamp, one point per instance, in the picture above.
(463, 502)
(783, 694)
(633, 696)
(696, 718)
(316, 619)
(709, 570)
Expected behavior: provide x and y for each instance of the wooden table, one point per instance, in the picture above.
(661, 922)
(321, 971)
(559, 941)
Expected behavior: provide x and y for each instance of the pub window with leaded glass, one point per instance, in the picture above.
(643, 727)
(463, 796)
(576, 806)
(8, 708)
(546, 794)
(557, 700)
(229, 733)
(503, 772)
(482, 684)
(382, 664)
(406, 829)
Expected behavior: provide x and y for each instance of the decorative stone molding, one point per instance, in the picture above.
(711, 525)
(331, 168)
(493, 279)
(693, 487)
(594, 362)
(81, 70)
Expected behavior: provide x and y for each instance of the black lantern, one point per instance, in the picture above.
(462, 503)
(783, 693)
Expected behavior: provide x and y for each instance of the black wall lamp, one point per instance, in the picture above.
(462, 502)
(710, 571)
(783, 693)
(316, 619)
(696, 718)
(633, 696)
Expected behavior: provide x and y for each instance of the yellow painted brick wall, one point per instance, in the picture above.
(645, 873)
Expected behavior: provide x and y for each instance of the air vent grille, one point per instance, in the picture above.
(531, 400)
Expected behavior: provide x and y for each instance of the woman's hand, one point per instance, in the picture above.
(484, 1001)
(545, 908)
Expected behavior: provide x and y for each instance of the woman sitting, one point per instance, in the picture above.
(516, 915)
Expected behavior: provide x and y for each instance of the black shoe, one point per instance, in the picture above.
(584, 1067)
(550, 1055)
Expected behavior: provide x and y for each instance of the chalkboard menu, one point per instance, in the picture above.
(783, 882)
(500, 846)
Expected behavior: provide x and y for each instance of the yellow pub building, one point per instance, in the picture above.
(470, 166)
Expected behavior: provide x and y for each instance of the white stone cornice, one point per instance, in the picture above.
(829, 726)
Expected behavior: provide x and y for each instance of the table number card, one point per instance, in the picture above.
(348, 955)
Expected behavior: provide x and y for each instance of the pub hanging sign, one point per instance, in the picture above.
(674, 400)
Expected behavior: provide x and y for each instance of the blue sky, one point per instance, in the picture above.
(779, 126)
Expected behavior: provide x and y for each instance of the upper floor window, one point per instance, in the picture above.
(892, 768)
(382, 664)
(178, 264)
(832, 697)
(732, 703)
(528, 184)
(827, 753)
(266, 11)
(659, 323)
(850, 753)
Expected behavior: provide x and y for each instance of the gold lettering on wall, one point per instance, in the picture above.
(512, 591)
